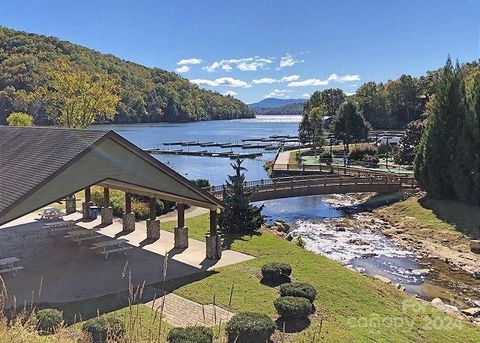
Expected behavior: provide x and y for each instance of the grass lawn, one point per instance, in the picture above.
(346, 299)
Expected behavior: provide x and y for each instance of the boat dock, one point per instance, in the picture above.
(231, 155)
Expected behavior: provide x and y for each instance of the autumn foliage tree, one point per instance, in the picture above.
(76, 98)
(19, 119)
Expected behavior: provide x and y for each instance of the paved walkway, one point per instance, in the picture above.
(65, 271)
(179, 311)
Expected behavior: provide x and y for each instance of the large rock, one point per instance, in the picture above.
(421, 272)
(475, 246)
(473, 311)
(382, 278)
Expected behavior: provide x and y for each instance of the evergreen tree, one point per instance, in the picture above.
(446, 164)
(239, 215)
(349, 125)
(409, 142)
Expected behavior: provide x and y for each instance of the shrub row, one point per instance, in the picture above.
(298, 289)
(293, 307)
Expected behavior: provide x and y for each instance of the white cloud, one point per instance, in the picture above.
(343, 78)
(223, 81)
(305, 95)
(189, 61)
(287, 61)
(277, 93)
(232, 93)
(243, 64)
(290, 78)
(264, 80)
(349, 94)
(272, 80)
(309, 82)
(332, 78)
(182, 69)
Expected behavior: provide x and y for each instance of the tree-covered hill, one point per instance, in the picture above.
(290, 109)
(146, 94)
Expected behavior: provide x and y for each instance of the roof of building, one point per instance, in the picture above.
(32, 156)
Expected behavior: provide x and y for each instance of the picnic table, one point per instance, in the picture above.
(8, 265)
(52, 213)
(59, 226)
(111, 246)
(81, 235)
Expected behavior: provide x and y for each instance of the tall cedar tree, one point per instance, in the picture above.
(349, 125)
(409, 142)
(446, 164)
(239, 215)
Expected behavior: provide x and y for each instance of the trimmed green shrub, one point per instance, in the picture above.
(298, 289)
(293, 307)
(276, 270)
(49, 320)
(101, 328)
(249, 327)
(190, 334)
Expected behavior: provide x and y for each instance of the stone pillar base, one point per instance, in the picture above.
(107, 215)
(214, 247)
(85, 210)
(153, 229)
(128, 222)
(181, 237)
(70, 205)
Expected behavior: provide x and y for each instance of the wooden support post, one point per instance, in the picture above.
(128, 203)
(180, 215)
(106, 197)
(213, 222)
(153, 209)
(88, 195)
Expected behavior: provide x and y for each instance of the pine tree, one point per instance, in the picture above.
(348, 125)
(446, 164)
(239, 215)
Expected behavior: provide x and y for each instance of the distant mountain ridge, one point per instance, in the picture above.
(273, 106)
(275, 102)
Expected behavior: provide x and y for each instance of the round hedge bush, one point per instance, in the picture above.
(249, 327)
(293, 307)
(49, 320)
(298, 289)
(190, 334)
(101, 328)
(275, 270)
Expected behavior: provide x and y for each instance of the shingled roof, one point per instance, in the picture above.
(30, 156)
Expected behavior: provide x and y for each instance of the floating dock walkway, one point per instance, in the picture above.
(231, 155)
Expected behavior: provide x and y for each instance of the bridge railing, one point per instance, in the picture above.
(330, 169)
(316, 181)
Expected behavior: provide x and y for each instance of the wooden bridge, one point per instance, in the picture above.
(296, 186)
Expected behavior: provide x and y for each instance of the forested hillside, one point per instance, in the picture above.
(146, 94)
(290, 109)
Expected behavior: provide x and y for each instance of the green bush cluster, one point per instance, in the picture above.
(102, 328)
(49, 320)
(293, 307)
(190, 334)
(365, 153)
(249, 327)
(298, 289)
(276, 271)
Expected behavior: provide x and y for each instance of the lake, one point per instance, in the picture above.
(214, 169)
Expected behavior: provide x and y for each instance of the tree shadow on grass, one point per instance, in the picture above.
(275, 282)
(229, 238)
(465, 218)
(292, 325)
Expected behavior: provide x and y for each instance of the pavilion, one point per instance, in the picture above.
(43, 165)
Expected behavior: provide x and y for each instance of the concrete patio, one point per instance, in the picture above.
(58, 270)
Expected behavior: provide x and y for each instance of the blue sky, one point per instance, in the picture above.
(255, 49)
